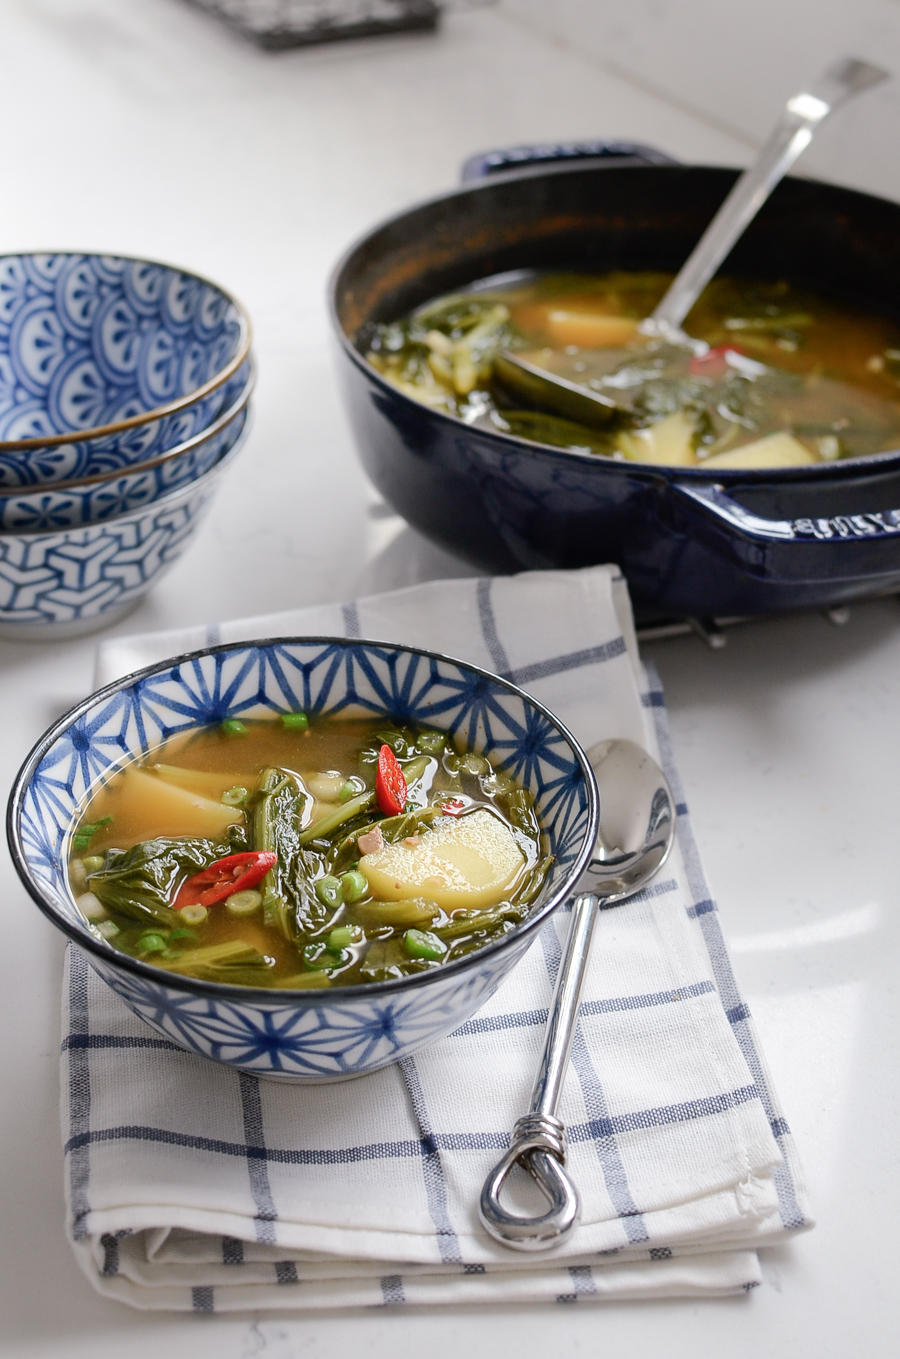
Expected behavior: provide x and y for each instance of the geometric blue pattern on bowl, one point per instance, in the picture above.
(71, 504)
(91, 347)
(301, 1035)
(61, 583)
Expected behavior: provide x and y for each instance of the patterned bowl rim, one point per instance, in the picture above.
(147, 417)
(278, 997)
(149, 507)
(195, 441)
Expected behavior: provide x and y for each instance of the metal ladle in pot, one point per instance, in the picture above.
(802, 116)
(637, 828)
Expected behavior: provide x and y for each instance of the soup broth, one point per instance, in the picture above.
(789, 378)
(303, 853)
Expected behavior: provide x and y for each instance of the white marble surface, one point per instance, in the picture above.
(139, 126)
(734, 65)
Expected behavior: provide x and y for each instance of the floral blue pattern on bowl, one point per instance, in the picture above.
(63, 583)
(106, 362)
(71, 504)
(301, 1035)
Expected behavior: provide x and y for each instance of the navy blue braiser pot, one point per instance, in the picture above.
(691, 543)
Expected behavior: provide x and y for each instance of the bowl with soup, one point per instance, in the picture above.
(304, 857)
(758, 475)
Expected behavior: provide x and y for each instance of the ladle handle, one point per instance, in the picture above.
(801, 117)
(539, 1139)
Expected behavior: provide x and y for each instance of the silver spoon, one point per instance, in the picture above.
(637, 827)
(802, 116)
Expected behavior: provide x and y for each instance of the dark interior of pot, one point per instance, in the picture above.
(836, 241)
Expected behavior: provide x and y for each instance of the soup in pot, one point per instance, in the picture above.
(787, 377)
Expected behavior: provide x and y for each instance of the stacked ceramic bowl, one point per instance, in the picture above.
(124, 397)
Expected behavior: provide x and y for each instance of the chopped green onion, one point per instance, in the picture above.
(151, 943)
(344, 936)
(318, 956)
(414, 769)
(431, 742)
(351, 788)
(183, 934)
(295, 721)
(235, 796)
(424, 944)
(233, 726)
(93, 863)
(243, 903)
(328, 890)
(474, 764)
(108, 928)
(194, 915)
(84, 834)
(354, 885)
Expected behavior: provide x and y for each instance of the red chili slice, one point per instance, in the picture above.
(714, 363)
(453, 807)
(390, 783)
(234, 873)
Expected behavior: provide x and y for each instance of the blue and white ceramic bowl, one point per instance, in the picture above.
(106, 362)
(62, 583)
(303, 1036)
(70, 504)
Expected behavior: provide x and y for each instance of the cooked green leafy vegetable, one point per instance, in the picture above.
(783, 377)
(289, 897)
(141, 882)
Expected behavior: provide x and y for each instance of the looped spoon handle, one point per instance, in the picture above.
(539, 1139)
(538, 1142)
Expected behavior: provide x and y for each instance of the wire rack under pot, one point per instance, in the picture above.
(297, 23)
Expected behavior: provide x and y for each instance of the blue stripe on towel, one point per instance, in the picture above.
(251, 1108)
(350, 615)
(392, 1289)
(574, 660)
(79, 1094)
(594, 1096)
(432, 1168)
(705, 911)
(599, 1126)
(488, 623)
(522, 1019)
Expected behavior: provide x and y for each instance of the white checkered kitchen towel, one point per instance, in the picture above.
(191, 1186)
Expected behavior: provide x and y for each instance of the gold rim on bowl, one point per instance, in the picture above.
(158, 412)
(195, 441)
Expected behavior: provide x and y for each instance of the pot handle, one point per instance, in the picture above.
(844, 547)
(487, 163)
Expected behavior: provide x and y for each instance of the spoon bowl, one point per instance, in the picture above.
(637, 822)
